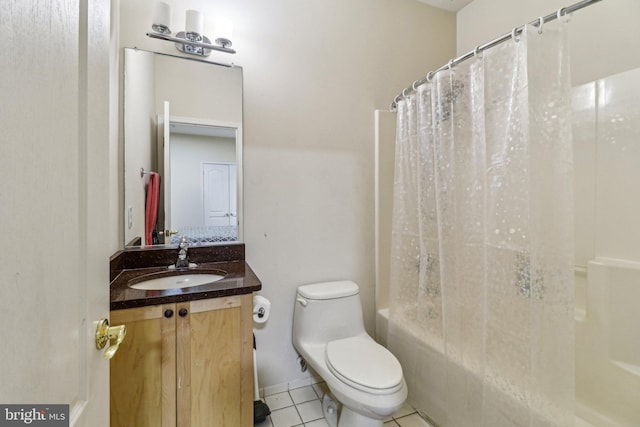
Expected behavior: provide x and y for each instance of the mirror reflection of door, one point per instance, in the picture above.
(219, 188)
(203, 193)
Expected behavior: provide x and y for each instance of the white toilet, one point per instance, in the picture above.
(329, 334)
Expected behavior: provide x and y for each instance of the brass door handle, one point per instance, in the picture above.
(106, 333)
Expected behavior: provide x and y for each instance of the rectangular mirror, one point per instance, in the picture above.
(183, 121)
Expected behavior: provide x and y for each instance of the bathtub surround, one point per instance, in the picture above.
(481, 307)
(606, 151)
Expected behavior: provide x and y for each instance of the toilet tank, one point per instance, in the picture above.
(327, 311)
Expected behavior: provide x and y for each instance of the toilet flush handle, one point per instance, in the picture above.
(302, 301)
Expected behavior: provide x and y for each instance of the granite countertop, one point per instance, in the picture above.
(127, 265)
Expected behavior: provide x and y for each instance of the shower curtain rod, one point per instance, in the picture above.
(514, 33)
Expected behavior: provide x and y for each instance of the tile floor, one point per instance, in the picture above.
(303, 407)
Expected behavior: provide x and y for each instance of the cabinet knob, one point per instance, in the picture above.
(168, 313)
(183, 312)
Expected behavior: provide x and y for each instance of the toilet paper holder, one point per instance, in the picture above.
(261, 309)
(260, 312)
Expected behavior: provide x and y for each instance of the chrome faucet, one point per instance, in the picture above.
(183, 261)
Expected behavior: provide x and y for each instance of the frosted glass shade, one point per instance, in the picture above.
(161, 16)
(194, 22)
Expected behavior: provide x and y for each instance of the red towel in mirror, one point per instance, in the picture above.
(151, 210)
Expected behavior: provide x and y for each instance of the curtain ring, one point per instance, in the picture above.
(413, 85)
(514, 34)
(559, 13)
(477, 52)
(404, 94)
(429, 76)
(540, 24)
(567, 16)
(450, 64)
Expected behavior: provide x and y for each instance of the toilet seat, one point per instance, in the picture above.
(377, 373)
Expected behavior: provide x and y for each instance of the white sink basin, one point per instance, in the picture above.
(180, 281)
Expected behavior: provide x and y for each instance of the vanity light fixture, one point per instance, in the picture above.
(191, 40)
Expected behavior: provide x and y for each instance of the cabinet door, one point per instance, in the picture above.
(143, 371)
(188, 365)
(215, 371)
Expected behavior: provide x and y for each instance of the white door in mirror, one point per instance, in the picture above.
(219, 198)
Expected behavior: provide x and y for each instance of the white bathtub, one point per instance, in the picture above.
(607, 343)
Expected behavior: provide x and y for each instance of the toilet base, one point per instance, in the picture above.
(330, 410)
(349, 418)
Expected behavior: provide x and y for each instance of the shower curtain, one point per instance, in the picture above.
(481, 299)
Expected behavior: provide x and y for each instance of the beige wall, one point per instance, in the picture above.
(314, 72)
(604, 37)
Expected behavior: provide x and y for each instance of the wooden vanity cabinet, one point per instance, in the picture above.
(186, 364)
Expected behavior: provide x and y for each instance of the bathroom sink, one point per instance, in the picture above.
(161, 282)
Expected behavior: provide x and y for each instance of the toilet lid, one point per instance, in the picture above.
(364, 364)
